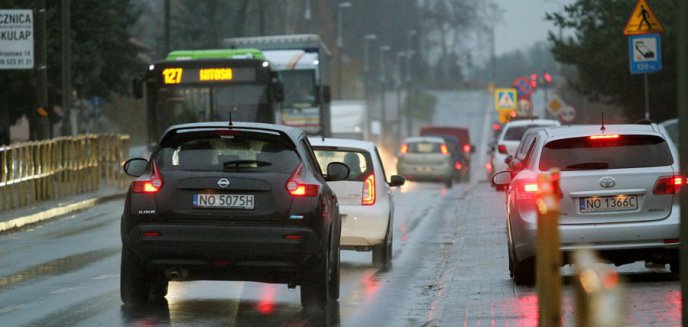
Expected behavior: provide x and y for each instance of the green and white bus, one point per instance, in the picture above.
(208, 85)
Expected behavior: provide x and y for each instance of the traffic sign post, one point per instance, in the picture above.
(644, 46)
(16, 39)
(505, 99)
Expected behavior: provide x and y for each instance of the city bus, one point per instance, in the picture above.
(209, 85)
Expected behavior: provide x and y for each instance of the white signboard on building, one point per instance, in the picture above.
(16, 39)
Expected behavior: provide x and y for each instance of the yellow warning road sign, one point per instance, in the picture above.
(643, 20)
(505, 99)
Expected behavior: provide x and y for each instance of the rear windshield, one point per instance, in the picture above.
(626, 151)
(424, 147)
(515, 133)
(204, 151)
(358, 161)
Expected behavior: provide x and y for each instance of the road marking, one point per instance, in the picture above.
(65, 290)
(101, 277)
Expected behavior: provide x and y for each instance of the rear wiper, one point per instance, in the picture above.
(588, 165)
(236, 164)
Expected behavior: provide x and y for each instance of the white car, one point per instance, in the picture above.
(510, 138)
(619, 190)
(365, 197)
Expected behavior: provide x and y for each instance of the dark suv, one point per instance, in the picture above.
(222, 201)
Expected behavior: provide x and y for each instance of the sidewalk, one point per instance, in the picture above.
(46, 210)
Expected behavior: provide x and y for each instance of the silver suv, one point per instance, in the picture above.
(619, 190)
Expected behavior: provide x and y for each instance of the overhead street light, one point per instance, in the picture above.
(340, 43)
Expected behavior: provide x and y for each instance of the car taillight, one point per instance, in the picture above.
(368, 195)
(457, 165)
(668, 185)
(404, 149)
(526, 190)
(502, 149)
(467, 148)
(604, 137)
(297, 188)
(443, 149)
(150, 185)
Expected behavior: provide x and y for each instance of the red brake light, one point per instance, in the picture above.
(488, 167)
(443, 149)
(530, 187)
(457, 165)
(526, 190)
(368, 195)
(502, 149)
(668, 185)
(404, 149)
(297, 188)
(604, 137)
(496, 127)
(149, 186)
(467, 148)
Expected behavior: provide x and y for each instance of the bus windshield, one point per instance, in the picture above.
(180, 104)
(299, 88)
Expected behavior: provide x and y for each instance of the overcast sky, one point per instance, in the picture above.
(523, 23)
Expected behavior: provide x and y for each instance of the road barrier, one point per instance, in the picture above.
(37, 171)
(599, 294)
(548, 255)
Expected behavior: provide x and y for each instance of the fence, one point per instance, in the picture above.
(37, 171)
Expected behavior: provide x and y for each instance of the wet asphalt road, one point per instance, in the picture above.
(66, 272)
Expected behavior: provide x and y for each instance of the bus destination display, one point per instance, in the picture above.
(181, 75)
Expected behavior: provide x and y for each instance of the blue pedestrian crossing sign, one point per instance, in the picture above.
(505, 99)
(645, 53)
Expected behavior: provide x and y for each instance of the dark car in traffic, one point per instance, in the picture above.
(231, 201)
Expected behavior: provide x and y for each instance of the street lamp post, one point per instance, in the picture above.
(340, 44)
(383, 87)
(366, 75)
(409, 104)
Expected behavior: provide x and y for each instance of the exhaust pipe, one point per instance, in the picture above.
(176, 274)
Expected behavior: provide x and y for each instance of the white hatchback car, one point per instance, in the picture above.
(365, 197)
(510, 138)
(619, 190)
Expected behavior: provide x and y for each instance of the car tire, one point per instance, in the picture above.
(334, 277)
(158, 287)
(524, 272)
(382, 253)
(134, 284)
(315, 282)
(675, 266)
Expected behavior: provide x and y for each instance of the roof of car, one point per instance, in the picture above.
(357, 144)
(290, 131)
(584, 130)
(525, 122)
(434, 139)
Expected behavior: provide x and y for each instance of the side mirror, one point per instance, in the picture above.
(508, 159)
(397, 180)
(135, 167)
(279, 91)
(137, 87)
(337, 171)
(327, 94)
(502, 178)
(516, 165)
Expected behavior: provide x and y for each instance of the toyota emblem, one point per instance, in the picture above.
(223, 182)
(607, 182)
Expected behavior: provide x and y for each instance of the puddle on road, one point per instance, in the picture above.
(58, 266)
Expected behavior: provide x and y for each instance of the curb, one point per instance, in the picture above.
(49, 214)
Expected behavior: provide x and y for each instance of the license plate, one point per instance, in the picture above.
(608, 203)
(424, 169)
(224, 201)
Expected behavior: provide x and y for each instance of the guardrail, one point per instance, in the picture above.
(36, 171)
(599, 295)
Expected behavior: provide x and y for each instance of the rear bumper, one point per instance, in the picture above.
(227, 252)
(619, 242)
(364, 226)
(438, 173)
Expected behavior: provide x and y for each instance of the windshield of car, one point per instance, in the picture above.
(218, 151)
(626, 151)
(515, 133)
(358, 161)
